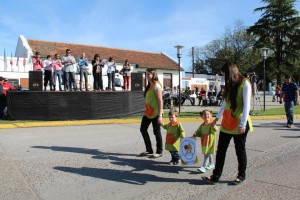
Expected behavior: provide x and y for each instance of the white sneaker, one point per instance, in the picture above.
(201, 169)
(211, 166)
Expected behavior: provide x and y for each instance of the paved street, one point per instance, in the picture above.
(101, 162)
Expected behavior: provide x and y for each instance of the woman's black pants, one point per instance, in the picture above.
(156, 129)
(240, 150)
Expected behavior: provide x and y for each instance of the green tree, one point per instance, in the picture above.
(279, 30)
(234, 46)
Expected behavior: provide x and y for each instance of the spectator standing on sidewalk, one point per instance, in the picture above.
(277, 92)
(289, 93)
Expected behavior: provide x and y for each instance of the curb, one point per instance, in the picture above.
(114, 121)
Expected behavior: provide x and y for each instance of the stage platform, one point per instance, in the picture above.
(56, 105)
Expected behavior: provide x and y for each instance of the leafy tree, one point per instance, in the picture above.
(279, 30)
(234, 46)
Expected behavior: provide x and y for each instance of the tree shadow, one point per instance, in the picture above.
(138, 164)
(80, 150)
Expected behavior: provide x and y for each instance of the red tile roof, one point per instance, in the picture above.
(143, 59)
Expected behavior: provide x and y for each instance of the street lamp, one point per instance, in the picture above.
(264, 53)
(179, 47)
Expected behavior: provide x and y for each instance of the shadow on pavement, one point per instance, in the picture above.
(285, 136)
(126, 176)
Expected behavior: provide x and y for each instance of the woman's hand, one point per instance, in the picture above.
(159, 119)
(213, 124)
(241, 130)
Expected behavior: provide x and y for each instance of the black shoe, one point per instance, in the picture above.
(211, 180)
(156, 155)
(146, 153)
(176, 162)
(238, 180)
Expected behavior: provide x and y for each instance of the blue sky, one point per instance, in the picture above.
(143, 25)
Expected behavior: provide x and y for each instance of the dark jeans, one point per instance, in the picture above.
(289, 111)
(111, 80)
(83, 73)
(175, 155)
(156, 129)
(240, 150)
(192, 99)
(98, 81)
(70, 78)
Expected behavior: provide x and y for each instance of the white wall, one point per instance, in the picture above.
(17, 66)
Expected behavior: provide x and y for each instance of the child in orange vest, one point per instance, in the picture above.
(208, 140)
(174, 133)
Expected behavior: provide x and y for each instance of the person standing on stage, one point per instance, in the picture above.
(97, 73)
(126, 71)
(235, 123)
(37, 62)
(111, 69)
(57, 67)
(83, 64)
(289, 93)
(48, 76)
(69, 74)
(153, 114)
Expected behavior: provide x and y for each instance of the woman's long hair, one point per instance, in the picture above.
(154, 78)
(95, 56)
(233, 79)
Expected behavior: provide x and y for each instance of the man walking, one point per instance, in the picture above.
(289, 92)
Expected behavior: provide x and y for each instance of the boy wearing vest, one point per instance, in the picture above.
(207, 132)
(174, 133)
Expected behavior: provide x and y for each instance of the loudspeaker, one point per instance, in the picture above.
(35, 80)
(136, 81)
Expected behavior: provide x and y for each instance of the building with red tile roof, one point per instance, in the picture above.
(166, 66)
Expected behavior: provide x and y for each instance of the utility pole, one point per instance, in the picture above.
(193, 63)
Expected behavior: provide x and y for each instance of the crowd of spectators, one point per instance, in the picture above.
(205, 98)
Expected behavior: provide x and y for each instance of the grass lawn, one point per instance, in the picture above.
(267, 112)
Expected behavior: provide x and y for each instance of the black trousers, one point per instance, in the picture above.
(48, 77)
(240, 150)
(156, 129)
